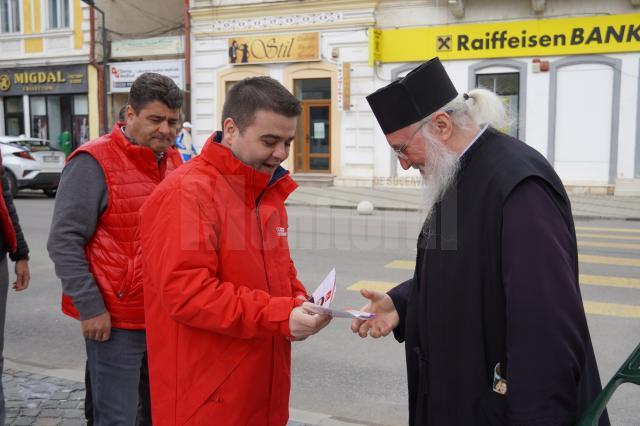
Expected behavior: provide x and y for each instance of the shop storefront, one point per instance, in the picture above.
(570, 85)
(46, 102)
(312, 146)
(318, 53)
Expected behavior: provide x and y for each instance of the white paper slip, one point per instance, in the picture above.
(326, 291)
(346, 313)
(324, 295)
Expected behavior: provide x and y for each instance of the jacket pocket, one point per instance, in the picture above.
(205, 390)
(123, 285)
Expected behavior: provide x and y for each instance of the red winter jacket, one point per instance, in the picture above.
(131, 172)
(219, 289)
(6, 224)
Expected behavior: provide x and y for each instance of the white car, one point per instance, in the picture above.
(31, 163)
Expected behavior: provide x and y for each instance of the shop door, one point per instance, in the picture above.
(315, 153)
(313, 138)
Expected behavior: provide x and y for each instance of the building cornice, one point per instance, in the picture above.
(43, 61)
(284, 16)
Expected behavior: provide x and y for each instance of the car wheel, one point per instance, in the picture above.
(13, 184)
(51, 193)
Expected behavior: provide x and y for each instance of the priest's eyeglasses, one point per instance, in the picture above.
(400, 151)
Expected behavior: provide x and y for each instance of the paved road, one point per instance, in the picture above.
(357, 381)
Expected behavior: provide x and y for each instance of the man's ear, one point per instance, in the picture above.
(129, 113)
(442, 125)
(229, 131)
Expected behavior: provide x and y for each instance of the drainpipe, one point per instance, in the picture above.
(187, 62)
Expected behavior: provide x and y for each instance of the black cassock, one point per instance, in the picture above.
(496, 283)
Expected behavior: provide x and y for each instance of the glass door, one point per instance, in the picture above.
(313, 138)
(315, 155)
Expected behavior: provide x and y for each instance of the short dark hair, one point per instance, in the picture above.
(248, 96)
(149, 87)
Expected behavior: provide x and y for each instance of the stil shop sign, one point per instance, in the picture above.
(43, 80)
(274, 48)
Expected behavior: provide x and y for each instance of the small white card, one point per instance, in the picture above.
(324, 295)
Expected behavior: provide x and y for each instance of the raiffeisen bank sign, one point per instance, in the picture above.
(543, 37)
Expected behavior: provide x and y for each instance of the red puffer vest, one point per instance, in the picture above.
(131, 172)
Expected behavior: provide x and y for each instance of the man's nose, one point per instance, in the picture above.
(164, 127)
(280, 152)
(405, 163)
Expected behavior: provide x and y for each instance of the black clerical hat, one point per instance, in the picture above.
(410, 99)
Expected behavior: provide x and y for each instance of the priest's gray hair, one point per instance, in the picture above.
(481, 107)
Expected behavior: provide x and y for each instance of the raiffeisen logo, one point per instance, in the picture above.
(578, 36)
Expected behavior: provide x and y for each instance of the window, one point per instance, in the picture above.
(507, 87)
(13, 115)
(10, 16)
(58, 13)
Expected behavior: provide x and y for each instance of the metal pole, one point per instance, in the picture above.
(105, 118)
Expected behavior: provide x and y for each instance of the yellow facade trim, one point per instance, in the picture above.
(94, 107)
(318, 70)
(37, 16)
(34, 45)
(27, 17)
(78, 34)
(541, 37)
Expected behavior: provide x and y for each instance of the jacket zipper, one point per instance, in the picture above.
(264, 260)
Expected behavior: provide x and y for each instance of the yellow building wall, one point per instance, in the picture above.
(94, 105)
(78, 36)
(31, 14)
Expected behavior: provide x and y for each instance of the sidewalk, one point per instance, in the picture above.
(404, 199)
(36, 399)
(32, 397)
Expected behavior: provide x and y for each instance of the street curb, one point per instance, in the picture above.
(60, 373)
(579, 216)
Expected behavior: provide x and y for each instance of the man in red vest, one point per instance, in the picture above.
(222, 298)
(93, 243)
(13, 243)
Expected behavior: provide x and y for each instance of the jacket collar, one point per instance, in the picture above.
(244, 179)
(142, 156)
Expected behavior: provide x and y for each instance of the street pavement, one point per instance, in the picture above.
(41, 395)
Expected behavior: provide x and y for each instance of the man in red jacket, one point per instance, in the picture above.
(222, 300)
(13, 243)
(94, 247)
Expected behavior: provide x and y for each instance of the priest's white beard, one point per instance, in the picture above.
(438, 173)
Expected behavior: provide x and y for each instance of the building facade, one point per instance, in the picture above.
(567, 72)
(63, 76)
(48, 88)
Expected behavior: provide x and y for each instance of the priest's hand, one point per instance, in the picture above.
(386, 318)
(304, 323)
